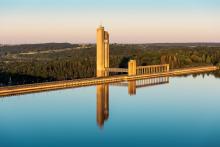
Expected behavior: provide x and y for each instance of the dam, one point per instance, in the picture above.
(30, 88)
(103, 71)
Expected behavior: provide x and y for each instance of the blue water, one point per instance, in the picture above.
(184, 112)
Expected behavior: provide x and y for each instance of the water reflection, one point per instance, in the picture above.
(102, 103)
(102, 93)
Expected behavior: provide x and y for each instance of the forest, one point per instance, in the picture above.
(32, 63)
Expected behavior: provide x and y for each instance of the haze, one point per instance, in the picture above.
(128, 21)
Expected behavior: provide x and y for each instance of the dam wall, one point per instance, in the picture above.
(38, 87)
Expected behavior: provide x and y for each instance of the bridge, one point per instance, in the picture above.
(142, 69)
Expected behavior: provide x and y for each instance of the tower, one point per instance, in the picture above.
(102, 52)
(132, 67)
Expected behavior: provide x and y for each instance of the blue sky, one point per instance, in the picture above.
(108, 3)
(128, 21)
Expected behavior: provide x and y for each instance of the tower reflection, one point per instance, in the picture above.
(102, 93)
(102, 104)
(132, 87)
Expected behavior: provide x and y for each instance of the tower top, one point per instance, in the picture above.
(100, 26)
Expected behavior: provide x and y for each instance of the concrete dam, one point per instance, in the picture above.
(133, 72)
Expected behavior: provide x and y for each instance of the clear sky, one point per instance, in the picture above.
(128, 21)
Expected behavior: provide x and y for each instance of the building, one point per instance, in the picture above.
(102, 52)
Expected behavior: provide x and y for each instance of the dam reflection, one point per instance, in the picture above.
(102, 93)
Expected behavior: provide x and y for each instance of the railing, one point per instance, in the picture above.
(122, 70)
(152, 69)
(142, 69)
(144, 82)
(135, 84)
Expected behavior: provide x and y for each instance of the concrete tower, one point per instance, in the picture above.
(102, 52)
(106, 50)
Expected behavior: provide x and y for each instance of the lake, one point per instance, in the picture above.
(169, 112)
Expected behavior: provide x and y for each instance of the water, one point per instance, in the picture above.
(179, 111)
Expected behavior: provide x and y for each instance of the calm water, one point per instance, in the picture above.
(179, 111)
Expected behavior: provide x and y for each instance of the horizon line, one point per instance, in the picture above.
(211, 42)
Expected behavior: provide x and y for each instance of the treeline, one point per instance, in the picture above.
(14, 73)
(82, 63)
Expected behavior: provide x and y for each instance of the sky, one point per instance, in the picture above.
(127, 21)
